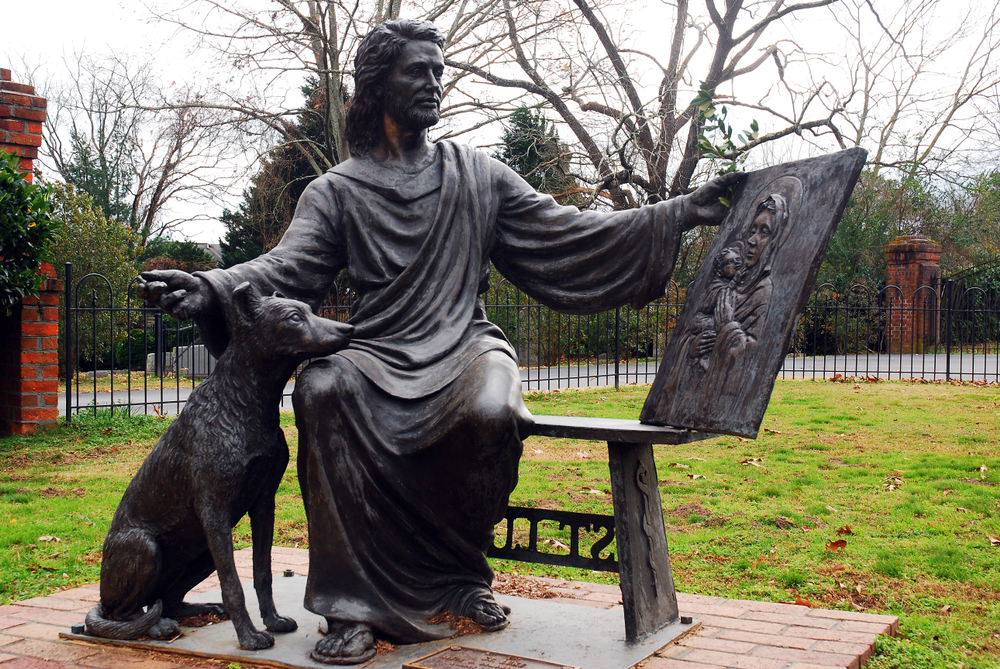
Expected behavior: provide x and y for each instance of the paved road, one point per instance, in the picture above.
(169, 400)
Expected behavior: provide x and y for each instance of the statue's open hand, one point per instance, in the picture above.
(704, 206)
(178, 293)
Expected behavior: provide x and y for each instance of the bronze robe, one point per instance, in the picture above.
(401, 498)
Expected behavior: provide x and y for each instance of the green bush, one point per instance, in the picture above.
(26, 228)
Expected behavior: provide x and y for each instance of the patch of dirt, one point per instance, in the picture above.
(18, 477)
(461, 625)
(663, 482)
(719, 521)
(783, 523)
(202, 619)
(521, 586)
(837, 462)
(687, 510)
(980, 482)
(816, 522)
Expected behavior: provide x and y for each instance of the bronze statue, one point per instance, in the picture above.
(409, 438)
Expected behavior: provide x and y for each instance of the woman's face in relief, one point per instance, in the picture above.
(760, 234)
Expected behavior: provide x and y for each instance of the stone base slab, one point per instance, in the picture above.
(577, 636)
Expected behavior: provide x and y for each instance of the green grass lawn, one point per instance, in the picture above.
(906, 475)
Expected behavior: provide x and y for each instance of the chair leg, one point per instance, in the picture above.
(643, 559)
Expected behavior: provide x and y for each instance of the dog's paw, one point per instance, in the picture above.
(280, 624)
(256, 640)
(164, 628)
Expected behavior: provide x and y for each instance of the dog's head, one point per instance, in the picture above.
(280, 327)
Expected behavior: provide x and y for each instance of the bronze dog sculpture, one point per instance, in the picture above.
(222, 458)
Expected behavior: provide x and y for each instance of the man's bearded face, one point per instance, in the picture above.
(413, 96)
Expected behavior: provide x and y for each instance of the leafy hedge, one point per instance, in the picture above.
(26, 228)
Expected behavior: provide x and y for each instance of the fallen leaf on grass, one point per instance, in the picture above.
(696, 476)
(805, 528)
(892, 483)
(946, 491)
(49, 537)
(677, 464)
(767, 429)
(557, 544)
(800, 601)
(961, 509)
(836, 546)
(946, 608)
(846, 529)
(982, 471)
(716, 558)
(994, 541)
(756, 462)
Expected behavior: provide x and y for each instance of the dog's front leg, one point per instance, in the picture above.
(220, 542)
(262, 529)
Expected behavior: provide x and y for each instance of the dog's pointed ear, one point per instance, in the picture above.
(279, 295)
(247, 301)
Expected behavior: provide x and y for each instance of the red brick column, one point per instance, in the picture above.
(29, 360)
(22, 114)
(29, 337)
(912, 292)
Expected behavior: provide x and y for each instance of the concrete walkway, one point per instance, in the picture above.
(735, 633)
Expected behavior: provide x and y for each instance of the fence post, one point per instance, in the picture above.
(618, 342)
(70, 367)
(947, 334)
(158, 362)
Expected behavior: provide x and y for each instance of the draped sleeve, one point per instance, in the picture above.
(302, 266)
(583, 261)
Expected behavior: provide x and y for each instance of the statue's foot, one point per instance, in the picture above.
(351, 643)
(487, 613)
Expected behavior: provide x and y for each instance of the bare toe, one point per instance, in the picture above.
(352, 643)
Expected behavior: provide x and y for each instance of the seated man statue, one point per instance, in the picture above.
(409, 438)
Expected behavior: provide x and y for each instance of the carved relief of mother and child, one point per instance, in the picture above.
(716, 347)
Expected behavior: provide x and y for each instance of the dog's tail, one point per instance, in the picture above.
(98, 625)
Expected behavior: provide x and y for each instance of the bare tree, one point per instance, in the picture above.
(641, 142)
(920, 81)
(104, 138)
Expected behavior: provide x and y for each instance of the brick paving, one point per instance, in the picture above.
(735, 633)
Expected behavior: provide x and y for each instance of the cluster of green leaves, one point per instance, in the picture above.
(716, 139)
(26, 228)
(94, 244)
(164, 253)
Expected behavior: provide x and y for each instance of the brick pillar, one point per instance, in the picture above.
(29, 337)
(22, 114)
(29, 360)
(913, 291)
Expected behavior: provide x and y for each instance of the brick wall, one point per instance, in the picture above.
(914, 276)
(29, 364)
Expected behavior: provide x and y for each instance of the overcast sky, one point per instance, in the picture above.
(37, 35)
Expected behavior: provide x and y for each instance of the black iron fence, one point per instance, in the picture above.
(119, 353)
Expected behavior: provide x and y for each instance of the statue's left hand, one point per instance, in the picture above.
(703, 207)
